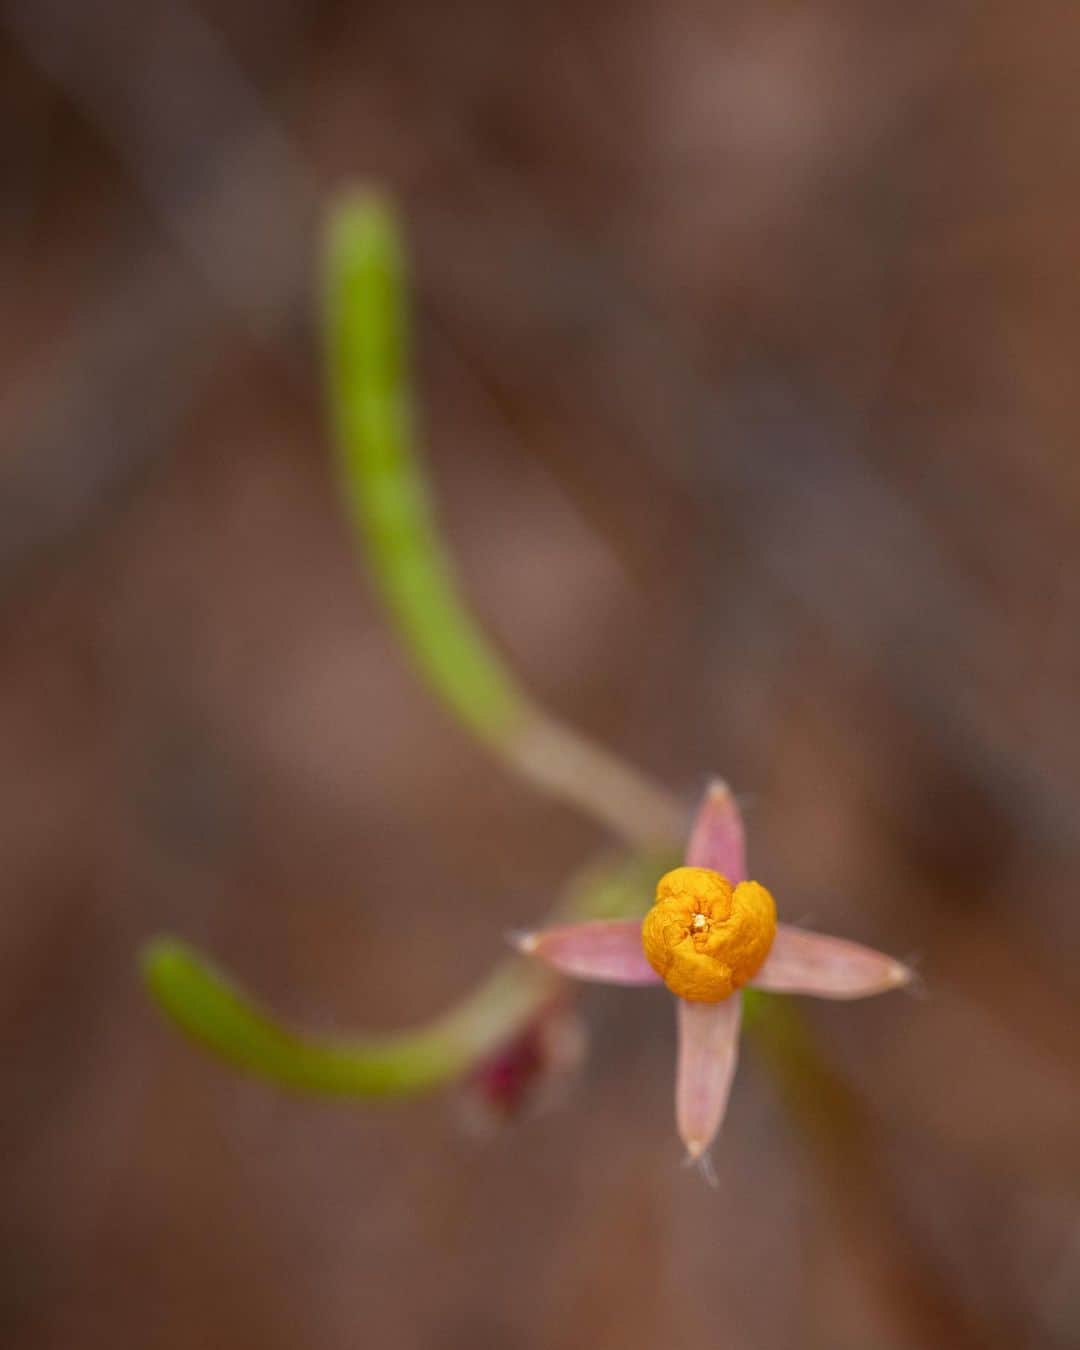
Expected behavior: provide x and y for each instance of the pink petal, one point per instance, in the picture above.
(604, 949)
(717, 839)
(829, 967)
(708, 1051)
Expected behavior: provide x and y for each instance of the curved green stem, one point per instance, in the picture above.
(366, 334)
(366, 337)
(206, 1005)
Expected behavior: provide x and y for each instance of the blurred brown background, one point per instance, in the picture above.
(747, 336)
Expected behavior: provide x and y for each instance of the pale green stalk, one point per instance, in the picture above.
(208, 1007)
(386, 490)
(386, 493)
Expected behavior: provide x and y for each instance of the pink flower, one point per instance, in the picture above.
(709, 933)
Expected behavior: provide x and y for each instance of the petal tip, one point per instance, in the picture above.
(900, 976)
(698, 1156)
(606, 950)
(716, 836)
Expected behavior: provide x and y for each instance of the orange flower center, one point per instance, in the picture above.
(705, 937)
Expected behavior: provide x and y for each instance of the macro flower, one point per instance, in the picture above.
(710, 933)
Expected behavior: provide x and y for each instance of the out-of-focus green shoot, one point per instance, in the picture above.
(210, 1009)
(372, 404)
(365, 310)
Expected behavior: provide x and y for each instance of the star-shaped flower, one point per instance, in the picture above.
(710, 933)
